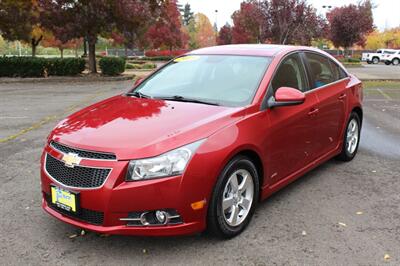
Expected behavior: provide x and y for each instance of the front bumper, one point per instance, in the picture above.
(181, 229)
(115, 199)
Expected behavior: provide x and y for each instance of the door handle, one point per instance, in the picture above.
(313, 111)
(342, 96)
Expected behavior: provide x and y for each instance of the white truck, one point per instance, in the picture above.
(392, 58)
(378, 56)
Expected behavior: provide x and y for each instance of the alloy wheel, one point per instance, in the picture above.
(237, 197)
(352, 136)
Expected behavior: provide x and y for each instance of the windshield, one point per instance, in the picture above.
(215, 79)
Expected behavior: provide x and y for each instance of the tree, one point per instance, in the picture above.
(392, 38)
(375, 40)
(291, 22)
(205, 35)
(51, 41)
(132, 18)
(247, 23)
(70, 19)
(387, 39)
(349, 25)
(166, 31)
(225, 35)
(187, 14)
(19, 21)
(191, 30)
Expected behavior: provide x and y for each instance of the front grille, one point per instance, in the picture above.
(85, 215)
(83, 153)
(78, 177)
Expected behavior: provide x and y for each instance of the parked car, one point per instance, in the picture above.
(392, 58)
(201, 141)
(375, 58)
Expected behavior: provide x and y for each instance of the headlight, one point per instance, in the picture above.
(168, 164)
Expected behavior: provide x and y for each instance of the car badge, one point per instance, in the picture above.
(71, 159)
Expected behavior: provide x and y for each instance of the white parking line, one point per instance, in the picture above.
(387, 96)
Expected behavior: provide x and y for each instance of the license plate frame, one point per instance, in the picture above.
(65, 200)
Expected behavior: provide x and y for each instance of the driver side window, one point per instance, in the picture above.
(290, 74)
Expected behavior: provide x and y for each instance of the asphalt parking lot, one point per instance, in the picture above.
(338, 214)
(379, 71)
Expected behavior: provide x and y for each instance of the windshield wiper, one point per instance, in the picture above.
(138, 94)
(179, 98)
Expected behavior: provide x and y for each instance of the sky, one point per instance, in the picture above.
(386, 14)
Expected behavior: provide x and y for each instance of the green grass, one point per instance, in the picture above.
(385, 90)
(383, 84)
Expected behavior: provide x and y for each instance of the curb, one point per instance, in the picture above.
(66, 79)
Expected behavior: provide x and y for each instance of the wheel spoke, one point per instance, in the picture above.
(245, 183)
(234, 215)
(234, 183)
(227, 203)
(245, 204)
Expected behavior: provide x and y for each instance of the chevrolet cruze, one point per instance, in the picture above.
(198, 143)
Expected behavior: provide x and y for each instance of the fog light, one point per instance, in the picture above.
(143, 219)
(162, 217)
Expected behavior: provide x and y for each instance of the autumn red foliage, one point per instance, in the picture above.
(19, 20)
(225, 35)
(277, 21)
(132, 18)
(166, 32)
(291, 22)
(247, 22)
(350, 24)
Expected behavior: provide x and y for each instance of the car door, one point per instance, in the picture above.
(328, 81)
(292, 128)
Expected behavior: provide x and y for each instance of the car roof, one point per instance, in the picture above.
(250, 49)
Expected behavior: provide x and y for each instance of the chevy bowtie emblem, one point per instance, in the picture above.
(71, 159)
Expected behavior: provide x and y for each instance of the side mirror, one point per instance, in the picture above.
(138, 81)
(286, 96)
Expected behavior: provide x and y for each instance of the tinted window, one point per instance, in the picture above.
(320, 70)
(338, 72)
(226, 80)
(389, 52)
(290, 74)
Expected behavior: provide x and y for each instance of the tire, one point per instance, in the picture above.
(375, 60)
(396, 62)
(349, 152)
(218, 222)
(369, 62)
(388, 63)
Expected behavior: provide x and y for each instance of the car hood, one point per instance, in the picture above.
(138, 128)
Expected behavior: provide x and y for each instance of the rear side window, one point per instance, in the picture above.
(338, 72)
(320, 70)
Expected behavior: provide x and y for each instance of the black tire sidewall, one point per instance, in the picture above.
(216, 221)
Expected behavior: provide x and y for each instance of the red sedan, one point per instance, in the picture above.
(197, 144)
